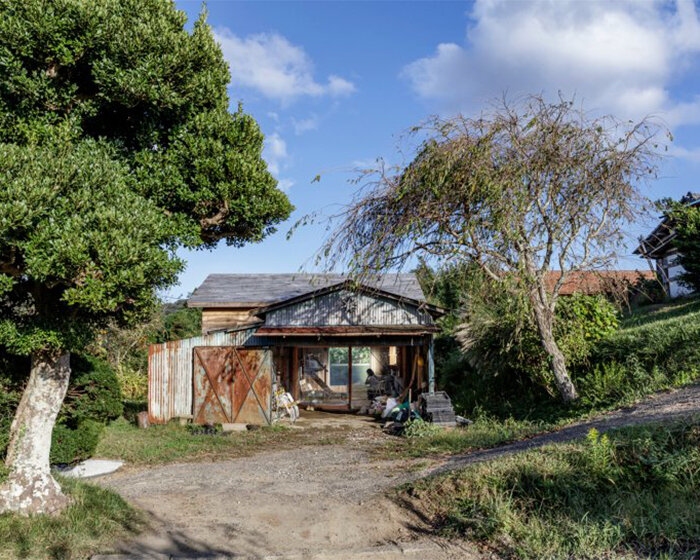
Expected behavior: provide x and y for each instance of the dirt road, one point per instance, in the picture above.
(319, 501)
(316, 502)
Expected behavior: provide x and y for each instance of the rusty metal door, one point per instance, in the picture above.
(232, 385)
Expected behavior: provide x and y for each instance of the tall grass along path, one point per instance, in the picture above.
(663, 407)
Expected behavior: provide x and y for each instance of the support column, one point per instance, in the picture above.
(349, 377)
(431, 367)
(294, 389)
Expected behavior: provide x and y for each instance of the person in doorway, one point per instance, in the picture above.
(373, 385)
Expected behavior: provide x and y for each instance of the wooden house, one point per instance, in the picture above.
(316, 334)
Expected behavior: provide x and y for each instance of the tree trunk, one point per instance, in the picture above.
(544, 318)
(30, 488)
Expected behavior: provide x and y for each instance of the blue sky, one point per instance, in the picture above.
(335, 84)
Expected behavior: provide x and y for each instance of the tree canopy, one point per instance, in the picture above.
(520, 190)
(116, 147)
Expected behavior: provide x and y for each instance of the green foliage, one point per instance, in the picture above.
(179, 322)
(116, 147)
(94, 393)
(654, 350)
(631, 492)
(427, 440)
(613, 359)
(685, 221)
(96, 520)
(74, 444)
(500, 339)
(419, 428)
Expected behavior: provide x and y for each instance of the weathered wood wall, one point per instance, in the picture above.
(346, 308)
(217, 319)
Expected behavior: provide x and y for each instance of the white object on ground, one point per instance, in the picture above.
(391, 404)
(92, 467)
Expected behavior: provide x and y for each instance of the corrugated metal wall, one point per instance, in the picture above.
(347, 308)
(170, 382)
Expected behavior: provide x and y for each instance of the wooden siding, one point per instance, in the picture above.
(346, 308)
(217, 319)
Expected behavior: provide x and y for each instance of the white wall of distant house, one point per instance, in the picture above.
(673, 271)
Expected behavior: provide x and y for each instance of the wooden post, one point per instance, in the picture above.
(431, 367)
(349, 377)
(295, 373)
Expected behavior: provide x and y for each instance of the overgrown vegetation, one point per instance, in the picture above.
(684, 218)
(95, 521)
(125, 348)
(632, 492)
(615, 357)
(423, 439)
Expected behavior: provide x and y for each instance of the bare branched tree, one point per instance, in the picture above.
(521, 190)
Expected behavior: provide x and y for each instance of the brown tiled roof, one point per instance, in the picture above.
(596, 281)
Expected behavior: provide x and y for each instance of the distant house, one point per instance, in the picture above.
(591, 282)
(318, 334)
(658, 247)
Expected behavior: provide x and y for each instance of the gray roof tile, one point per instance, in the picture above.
(239, 290)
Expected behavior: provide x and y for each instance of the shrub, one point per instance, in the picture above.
(133, 384)
(69, 445)
(501, 342)
(94, 392)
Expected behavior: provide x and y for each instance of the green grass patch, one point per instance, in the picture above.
(633, 492)
(94, 522)
(174, 443)
(483, 433)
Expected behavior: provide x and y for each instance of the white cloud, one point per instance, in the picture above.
(285, 184)
(338, 86)
(276, 156)
(618, 57)
(305, 125)
(269, 63)
(275, 152)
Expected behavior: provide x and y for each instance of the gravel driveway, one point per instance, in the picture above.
(319, 501)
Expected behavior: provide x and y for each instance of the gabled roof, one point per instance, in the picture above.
(259, 290)
(357, 288)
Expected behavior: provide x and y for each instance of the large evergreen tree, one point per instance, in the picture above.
(116, 148)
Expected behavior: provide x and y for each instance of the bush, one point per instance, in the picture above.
(509, 368)
(94, 392)
(70, 445)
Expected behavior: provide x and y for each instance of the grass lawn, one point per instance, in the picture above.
(631, 493)
(174, 443)
(96, 520)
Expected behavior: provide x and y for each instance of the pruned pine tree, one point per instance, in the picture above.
(117, 147)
